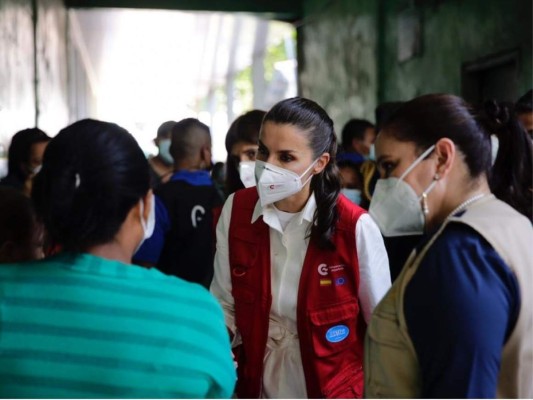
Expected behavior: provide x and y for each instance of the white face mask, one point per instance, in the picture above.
(36, 169)
(247, 173)
(495, 145)
(148, 226)
(164, 151)
(276, 183)
(354, 195)
(396, 208)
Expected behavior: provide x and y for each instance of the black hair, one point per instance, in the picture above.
(308, 116)
(511, 175)
(93, 173)
(17, 217)
(188, 135)
(384, 111)
(20, 149)
(525, 103)
(165, 128)
(354, 129)
(244, 129)
(428, 118)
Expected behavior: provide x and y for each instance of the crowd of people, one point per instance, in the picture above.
(397, 263)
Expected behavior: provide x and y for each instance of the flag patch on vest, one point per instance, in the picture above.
(325, 282)
(337, 333)
(340, 281)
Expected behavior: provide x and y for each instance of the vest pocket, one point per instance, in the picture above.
(334, 328)
(391, 368)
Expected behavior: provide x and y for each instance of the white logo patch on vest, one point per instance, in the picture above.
(323, 269)
(337, 333)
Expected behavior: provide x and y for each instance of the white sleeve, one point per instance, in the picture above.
(374, 268)
(221, 284)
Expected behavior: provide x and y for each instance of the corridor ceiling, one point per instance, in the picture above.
(286, 10)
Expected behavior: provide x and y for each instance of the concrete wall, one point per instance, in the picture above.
(349, 49)
(17, 92)
(338, 63)
(453, 33)
(52, 77)
(33, 74)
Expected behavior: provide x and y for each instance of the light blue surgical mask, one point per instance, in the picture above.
(354, 195)
(164, 151)
(372, 153)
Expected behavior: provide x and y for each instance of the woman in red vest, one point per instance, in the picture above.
(299, 268)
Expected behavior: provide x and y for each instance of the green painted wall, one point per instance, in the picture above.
(338, 64)
(349, 48)
(454, 32)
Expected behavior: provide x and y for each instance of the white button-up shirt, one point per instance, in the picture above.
(283, 375)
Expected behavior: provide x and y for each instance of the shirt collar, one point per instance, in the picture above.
(195, 178)
(269, 214)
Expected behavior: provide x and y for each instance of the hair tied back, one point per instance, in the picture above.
(498, 114)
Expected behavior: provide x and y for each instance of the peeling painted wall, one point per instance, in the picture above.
(28, 99)
(349, 49)
(454, 32)
(338, 58)
(52, 66)
(17, 97)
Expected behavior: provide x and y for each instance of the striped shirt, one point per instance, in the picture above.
(76, 325)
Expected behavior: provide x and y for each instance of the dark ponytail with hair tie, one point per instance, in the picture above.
(318, 126)
(511, 176)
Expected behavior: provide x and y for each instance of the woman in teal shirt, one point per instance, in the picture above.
(86, 323)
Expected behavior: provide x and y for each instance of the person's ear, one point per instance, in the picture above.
(321, 163)
(156, 142)
(445, 152)
(205, 156)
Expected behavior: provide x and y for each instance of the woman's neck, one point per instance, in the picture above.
(111, 251)
(454, 200)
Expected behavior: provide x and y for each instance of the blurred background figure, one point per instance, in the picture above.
(352, 182)
(25, 156)
(21, 235)
(358, 136)
(183, 240)
(162, 164)
(524, 111)
(241, 145)
(514, 165)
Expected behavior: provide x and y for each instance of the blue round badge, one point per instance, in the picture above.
(337, 333)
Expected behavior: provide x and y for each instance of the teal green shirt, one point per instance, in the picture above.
(76, 325)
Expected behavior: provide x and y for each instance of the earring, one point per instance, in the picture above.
(436, 177)
(425, 208)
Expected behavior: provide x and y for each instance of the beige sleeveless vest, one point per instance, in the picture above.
(391, 365)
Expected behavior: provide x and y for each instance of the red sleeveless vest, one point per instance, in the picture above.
(331, 327)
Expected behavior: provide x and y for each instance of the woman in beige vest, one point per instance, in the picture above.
(458, 321)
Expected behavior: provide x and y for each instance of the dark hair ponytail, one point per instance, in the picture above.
(511, 175)
(326, 187)
(93, 174)
(318, 126)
